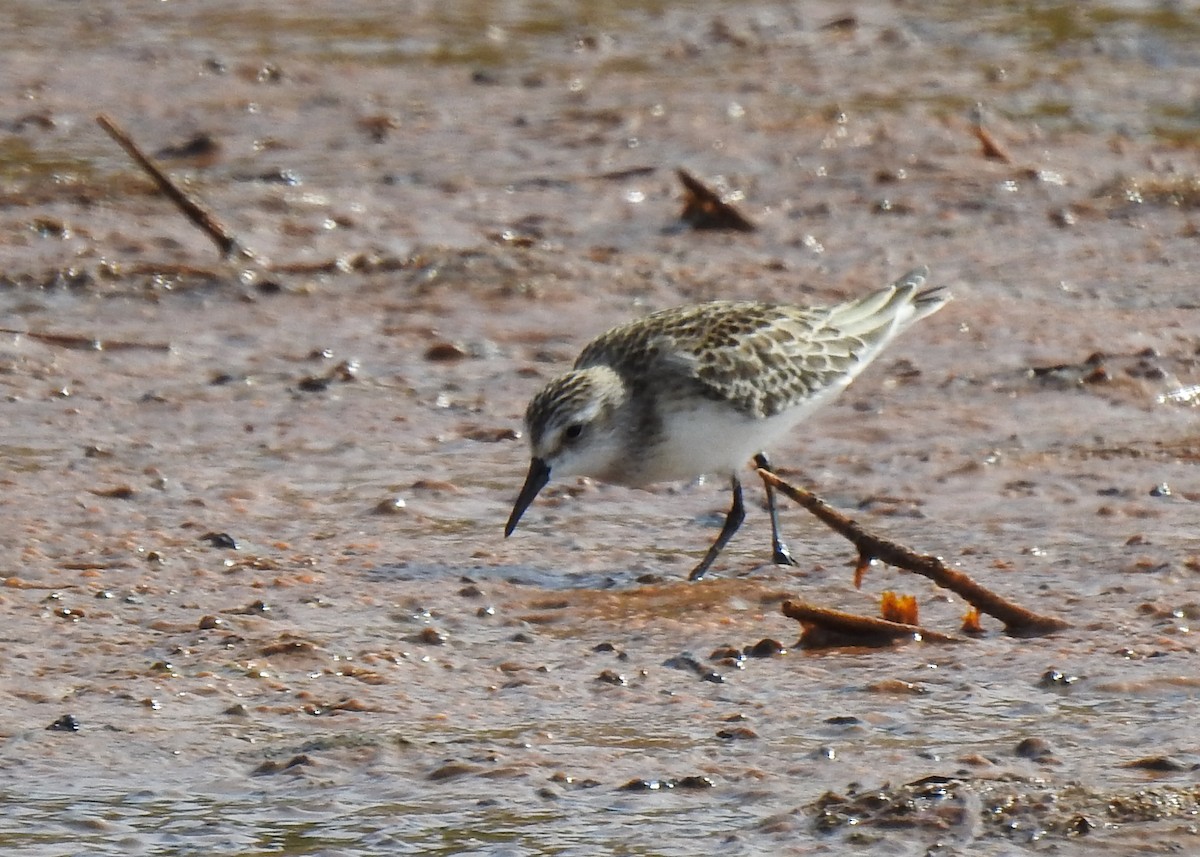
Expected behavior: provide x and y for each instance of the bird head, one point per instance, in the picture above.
(573, 431)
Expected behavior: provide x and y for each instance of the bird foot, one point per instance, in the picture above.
(782, 556)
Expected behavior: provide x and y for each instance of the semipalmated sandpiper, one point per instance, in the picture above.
(703, 389)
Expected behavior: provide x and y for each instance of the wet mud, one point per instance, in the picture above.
(255, 594)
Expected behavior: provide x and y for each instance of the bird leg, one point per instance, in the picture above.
(733, 520)
(780, 554)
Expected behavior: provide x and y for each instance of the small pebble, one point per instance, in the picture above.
(1159, 764)
(220, 540)
(766, 648)
(431, 637)
(740, 733)
(642, 786)
(1056, 678)
(66, 723)
(726, 653)
(272, 767)
(1036, 749)
(843, 720)
(611, 677)
(1080, 825)
(452, 770)
(445, 351)
(686, 661)
(389, 506)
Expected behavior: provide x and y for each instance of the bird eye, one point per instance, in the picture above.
(574, 430)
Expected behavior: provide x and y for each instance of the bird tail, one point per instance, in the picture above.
(882, 314)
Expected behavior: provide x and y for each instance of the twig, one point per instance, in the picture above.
(858, 627)
(1017, 620)
(197, 214)
(87, 343)
(703, 207)
(992, 150)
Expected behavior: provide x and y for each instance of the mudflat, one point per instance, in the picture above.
(256, 598)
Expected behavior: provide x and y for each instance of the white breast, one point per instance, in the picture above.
(710, 438)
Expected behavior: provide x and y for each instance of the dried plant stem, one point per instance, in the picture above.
(850, 624)
(703, 207)
(193, 210)
(1017, 620)
(87, 343)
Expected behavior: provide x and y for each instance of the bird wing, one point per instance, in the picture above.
(760, 358)
(770, 361)
(766, 359)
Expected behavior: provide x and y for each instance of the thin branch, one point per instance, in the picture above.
(856, 628)
(990, 146)
(1017, 620)
(87, 343)
(703, 207)
(193, 210)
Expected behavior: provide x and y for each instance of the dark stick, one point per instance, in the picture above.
(1017, 620)
(703, 207)
(213, 228)
(851, 625)
(86, 343)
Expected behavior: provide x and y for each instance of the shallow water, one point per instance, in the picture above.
(374, 669)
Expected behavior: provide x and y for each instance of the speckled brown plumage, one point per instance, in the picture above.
(759, 358)
(703, 389)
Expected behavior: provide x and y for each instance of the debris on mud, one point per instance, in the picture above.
(1018, 621)
(1020, 809)
(691, 782)
(824, 628)
(704, 208)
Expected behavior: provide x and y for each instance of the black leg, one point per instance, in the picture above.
(780, 553)
(733, 520)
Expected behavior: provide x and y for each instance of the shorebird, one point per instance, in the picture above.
(704, 389)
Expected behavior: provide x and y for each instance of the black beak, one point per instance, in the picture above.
(535, 481)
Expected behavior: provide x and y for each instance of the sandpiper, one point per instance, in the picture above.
(704, 389)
